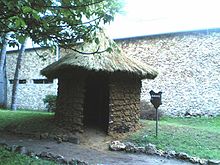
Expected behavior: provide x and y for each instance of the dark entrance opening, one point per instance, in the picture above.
(96, 108)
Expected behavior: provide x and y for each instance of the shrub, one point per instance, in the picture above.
(50, 101)
(148, 112)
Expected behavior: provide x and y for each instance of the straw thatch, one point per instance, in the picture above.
(109, 62)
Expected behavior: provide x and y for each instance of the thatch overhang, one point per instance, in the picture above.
(107, 62)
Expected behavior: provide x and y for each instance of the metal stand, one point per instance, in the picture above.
(156, 122)
(156, 101)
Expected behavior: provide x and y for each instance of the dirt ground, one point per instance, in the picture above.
(94, 152)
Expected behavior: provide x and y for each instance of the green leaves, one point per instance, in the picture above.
(97, 41)
(109, 49)
(19, 22)
(26, 9)
(62, 23)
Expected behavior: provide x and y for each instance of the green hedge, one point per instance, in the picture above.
(50, 101)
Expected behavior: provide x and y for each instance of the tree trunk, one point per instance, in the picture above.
(3, 77)
(16, 80)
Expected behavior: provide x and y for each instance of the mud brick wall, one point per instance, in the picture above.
(70, 102)
(124, 102)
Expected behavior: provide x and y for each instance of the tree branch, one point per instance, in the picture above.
(35, 50)
(72, 7)
(88, 53)
(83, 23)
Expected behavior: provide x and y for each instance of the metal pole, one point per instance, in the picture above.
(156, 122)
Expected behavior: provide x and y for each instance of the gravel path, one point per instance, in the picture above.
(92, 156)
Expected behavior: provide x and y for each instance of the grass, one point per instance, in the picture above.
(27, 122)
(195, 136)
(12, 158)
(209, 124)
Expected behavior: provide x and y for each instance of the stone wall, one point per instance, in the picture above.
(188, 65)
(189, 69)
(124, 111)
(70, 102)
(33, 87)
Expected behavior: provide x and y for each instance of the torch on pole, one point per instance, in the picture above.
(156, 101)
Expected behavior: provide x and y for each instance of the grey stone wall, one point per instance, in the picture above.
(70, 102)
(30, 95)
(124, 102)
(188, 65)
(189, 69)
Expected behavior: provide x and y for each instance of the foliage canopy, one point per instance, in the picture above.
(55, 22)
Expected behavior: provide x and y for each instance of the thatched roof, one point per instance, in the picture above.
(109, 62)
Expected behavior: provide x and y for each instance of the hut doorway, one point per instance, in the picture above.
(96, 108)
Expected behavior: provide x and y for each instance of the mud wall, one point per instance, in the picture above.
(70, 103)
(124, 104)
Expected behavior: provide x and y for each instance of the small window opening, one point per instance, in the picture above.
(23, 81)
(42, 81)
(48, 81)
(11, 81)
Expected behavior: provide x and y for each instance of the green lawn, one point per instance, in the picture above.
(26, 121)
(11, 158)
(196, 136)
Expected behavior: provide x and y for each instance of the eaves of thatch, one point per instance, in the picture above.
(109, 62)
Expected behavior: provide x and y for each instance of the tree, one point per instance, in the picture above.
(3, 80)
(55, 22)
(16, 80)
(51, 22)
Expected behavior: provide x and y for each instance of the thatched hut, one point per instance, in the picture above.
(100, 89)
